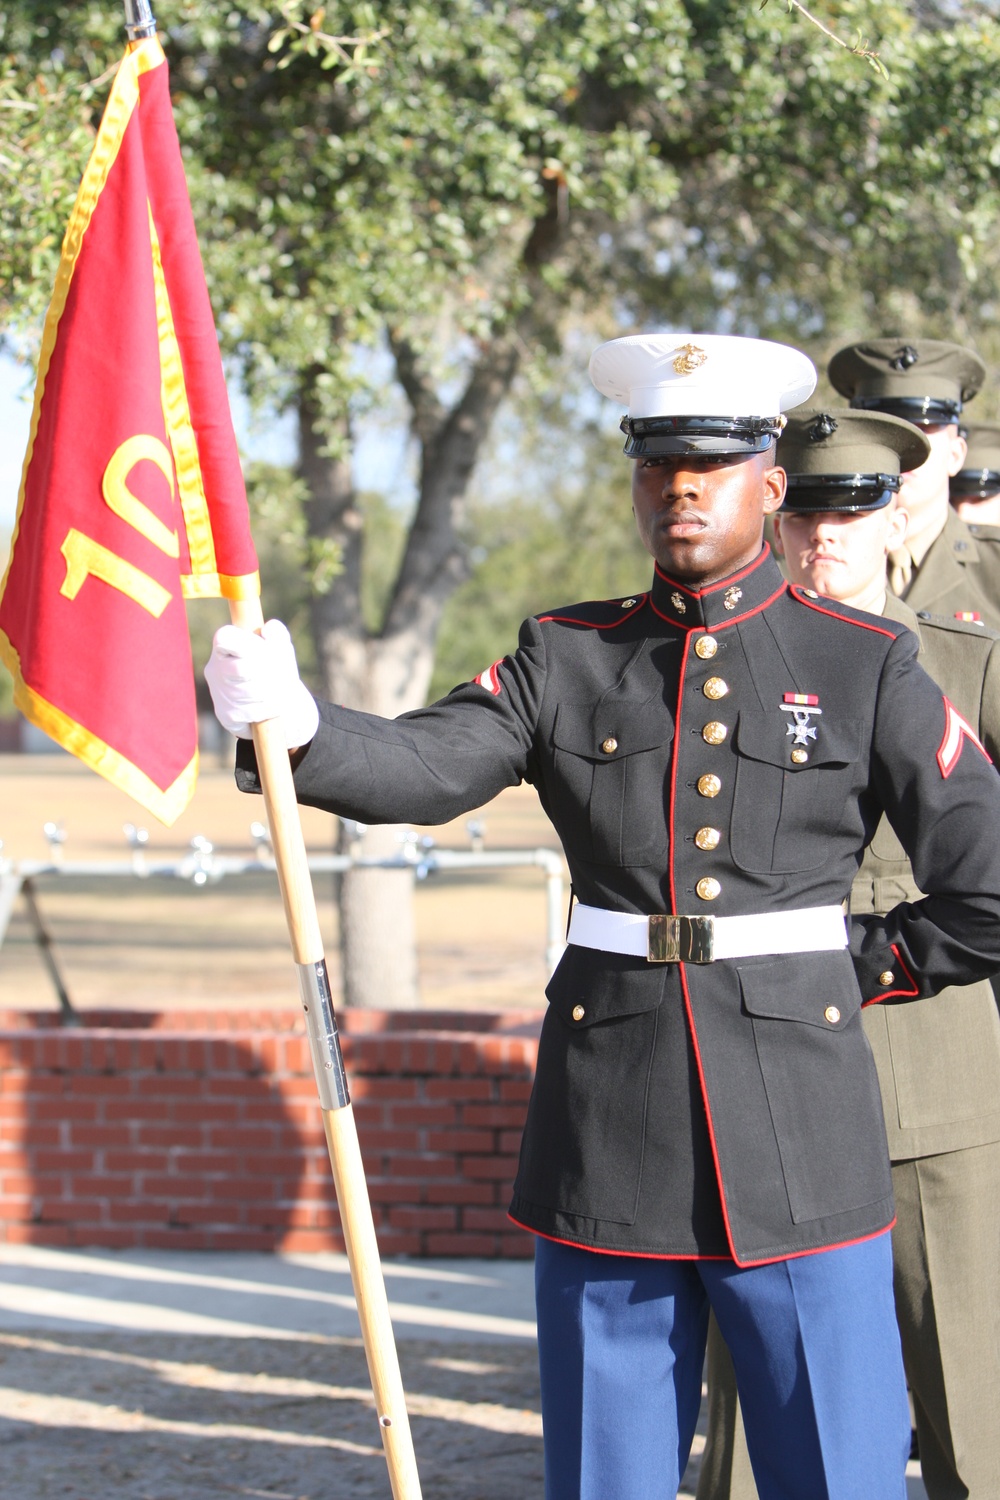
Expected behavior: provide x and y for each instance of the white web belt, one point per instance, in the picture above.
(702, 940)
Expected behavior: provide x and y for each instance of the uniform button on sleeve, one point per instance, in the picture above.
(886, 976)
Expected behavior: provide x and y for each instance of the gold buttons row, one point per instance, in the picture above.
(710, 785)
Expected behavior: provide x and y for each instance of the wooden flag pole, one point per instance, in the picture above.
(338, 1117)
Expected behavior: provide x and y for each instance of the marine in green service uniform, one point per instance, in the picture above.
(939, 1062)
(940, 567)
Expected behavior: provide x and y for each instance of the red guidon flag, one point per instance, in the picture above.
(132, 498)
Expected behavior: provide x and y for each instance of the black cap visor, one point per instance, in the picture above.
(850, 493)
(922, 411)
(974, 484)
(704, 437)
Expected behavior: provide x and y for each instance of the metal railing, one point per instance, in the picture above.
(202, 867)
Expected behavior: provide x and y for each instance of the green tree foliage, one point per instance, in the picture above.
(433, 195)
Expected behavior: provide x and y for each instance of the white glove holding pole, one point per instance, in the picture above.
(254, 677)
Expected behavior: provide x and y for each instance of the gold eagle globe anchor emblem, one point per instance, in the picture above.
(689, 357)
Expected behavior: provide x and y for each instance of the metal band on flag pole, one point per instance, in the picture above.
(338, 1117)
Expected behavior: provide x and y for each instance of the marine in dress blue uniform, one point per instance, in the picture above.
(705, 1126)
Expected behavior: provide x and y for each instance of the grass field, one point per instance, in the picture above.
(158, 944)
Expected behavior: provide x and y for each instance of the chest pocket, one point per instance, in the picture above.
(783, 813)
(608, 791)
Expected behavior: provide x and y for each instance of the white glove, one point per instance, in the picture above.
(254, 677)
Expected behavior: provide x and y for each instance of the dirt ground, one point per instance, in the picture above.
(158, 944)
(176, 1419)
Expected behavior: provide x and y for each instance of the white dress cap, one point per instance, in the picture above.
(702, 374)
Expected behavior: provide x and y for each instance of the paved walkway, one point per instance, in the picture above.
(187, 1376)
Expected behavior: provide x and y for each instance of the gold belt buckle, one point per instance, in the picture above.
(680, 940)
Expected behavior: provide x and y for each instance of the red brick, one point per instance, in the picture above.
(54, 1236)
(166, 1137)
(132, 1211)
(508, 1142)
(459, 1140)
(485, 1219)
(409, 1217)
(308, 1242)
(69, 1210)
(459, 1088)
(518, 1245)
(136, 1161)
(97, 1136)
(240, 1137)
(515, 1090)
(167, 1187)
(65, 1109)
(393, 1192)
(500, 1116)
(478, 1167)
(424, 1114)
(410, 1167)
(106, 1085)
(484, 1245)
(460, 1192)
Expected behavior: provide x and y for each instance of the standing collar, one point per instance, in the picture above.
(721, 603)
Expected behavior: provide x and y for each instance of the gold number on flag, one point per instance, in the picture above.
(87, 558)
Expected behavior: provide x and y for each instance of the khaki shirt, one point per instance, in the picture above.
(938, 1060)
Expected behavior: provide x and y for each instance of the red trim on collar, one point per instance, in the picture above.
(592, 624)
(723, 583)
(701, 626)
(797, 592)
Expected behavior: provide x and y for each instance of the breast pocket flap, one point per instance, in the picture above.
(764, 736)
(613, 729)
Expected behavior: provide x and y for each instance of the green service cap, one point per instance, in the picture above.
(923, 380)
(979, 477)
(846, 460)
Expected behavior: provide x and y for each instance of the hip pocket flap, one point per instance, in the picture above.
(818, 989)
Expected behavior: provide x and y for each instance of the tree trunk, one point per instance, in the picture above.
(389, 674)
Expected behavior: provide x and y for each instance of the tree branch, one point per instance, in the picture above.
(858, 48)
(428, 411)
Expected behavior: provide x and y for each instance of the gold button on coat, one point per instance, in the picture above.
(832, 1014)
(707, 838)
(709, 786)
(714, 732)
(708, 888)
(706, 646)
(800, 757)
(578, 1013)
(886, 976)
(715, 687)
(610, 745)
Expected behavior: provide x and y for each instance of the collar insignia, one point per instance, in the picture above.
(732, 597)
(678, 603)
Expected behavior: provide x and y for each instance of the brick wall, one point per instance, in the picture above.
(203, 1131)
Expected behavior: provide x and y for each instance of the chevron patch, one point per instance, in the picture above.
(956, 729)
